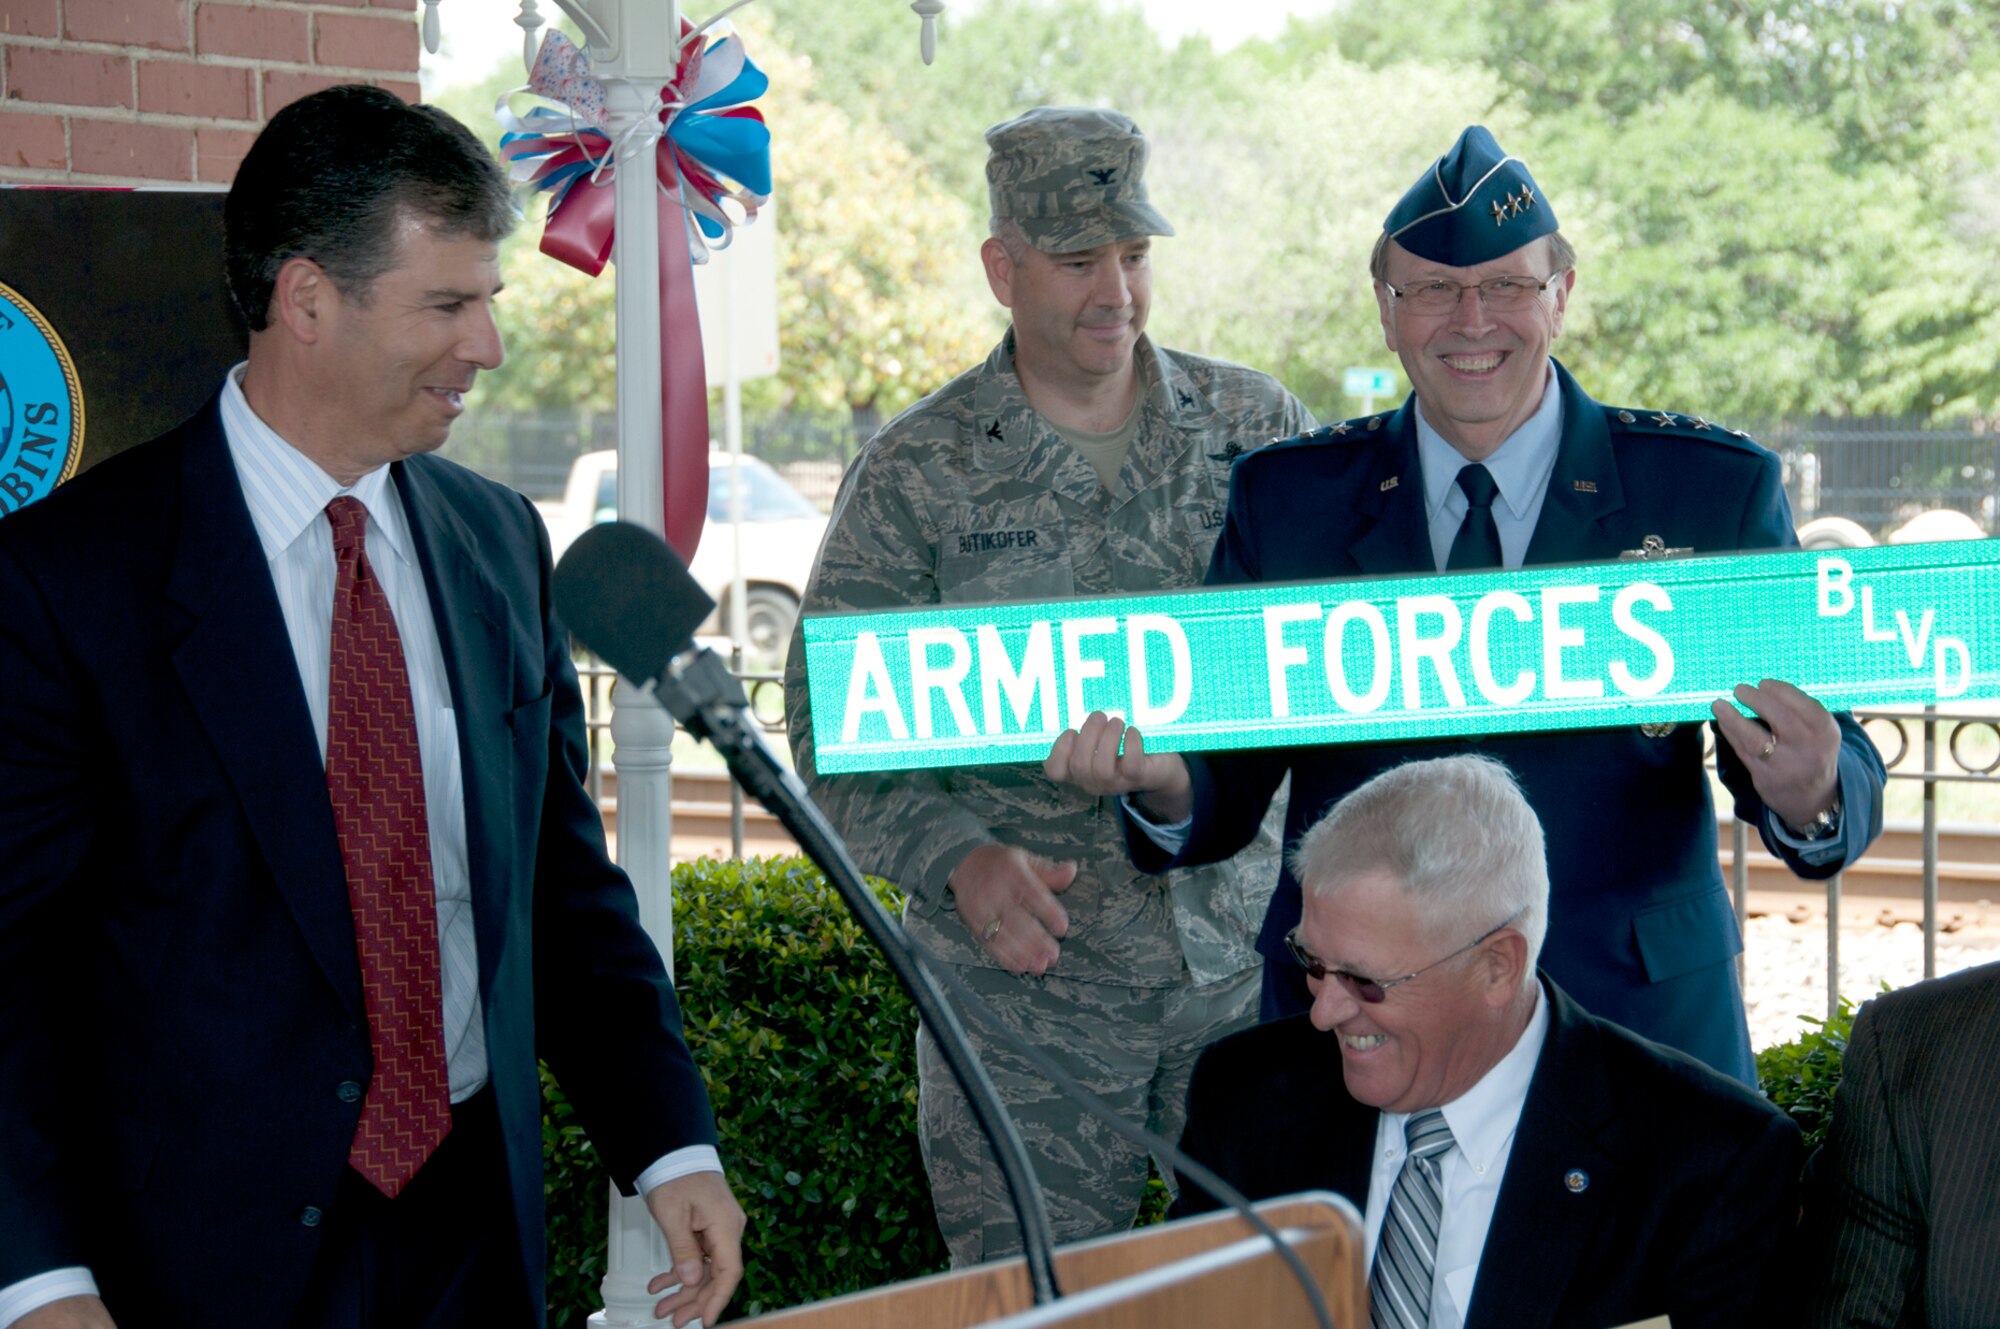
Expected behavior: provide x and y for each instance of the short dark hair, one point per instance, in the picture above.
(331, 177)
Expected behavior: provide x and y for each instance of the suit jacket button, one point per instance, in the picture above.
(310, 1215)
(348, 1092)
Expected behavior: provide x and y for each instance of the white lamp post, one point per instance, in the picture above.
(634, 49)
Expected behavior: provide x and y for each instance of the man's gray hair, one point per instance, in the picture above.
(1562, 255)
(1012, 238)
(1455, 833)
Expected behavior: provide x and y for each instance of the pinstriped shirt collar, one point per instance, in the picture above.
(286, 490)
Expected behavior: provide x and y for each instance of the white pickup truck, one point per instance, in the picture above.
(781, 531)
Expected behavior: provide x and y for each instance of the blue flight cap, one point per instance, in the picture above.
(1474, 204)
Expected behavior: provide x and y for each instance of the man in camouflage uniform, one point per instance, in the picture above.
(1080, 459)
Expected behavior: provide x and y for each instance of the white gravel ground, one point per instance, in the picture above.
(1786, 961)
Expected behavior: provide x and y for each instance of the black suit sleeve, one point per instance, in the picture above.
(45, 842)
(1865, 1233)
(1728, 1273)
(606, 1017)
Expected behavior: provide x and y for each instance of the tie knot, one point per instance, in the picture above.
(1477, 483)
(349, 517)
(1427, 1134)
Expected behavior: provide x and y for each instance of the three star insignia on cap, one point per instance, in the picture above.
(1513, 205)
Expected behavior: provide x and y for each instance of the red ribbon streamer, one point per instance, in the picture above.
(580, 233)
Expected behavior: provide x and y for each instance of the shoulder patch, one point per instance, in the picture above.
(1645, 420)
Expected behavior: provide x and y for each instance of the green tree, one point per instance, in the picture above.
(1701, 286)
(1277, 194)
(880, 298)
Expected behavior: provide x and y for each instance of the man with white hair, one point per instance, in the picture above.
(1519, 1161)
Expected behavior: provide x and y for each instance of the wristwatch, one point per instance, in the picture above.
(1823, 825)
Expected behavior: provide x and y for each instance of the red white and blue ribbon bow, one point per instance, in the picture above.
(712, 148)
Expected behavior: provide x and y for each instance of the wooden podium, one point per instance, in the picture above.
(1211, 1270)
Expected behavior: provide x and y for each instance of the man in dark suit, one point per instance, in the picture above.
(1473, 280)
(1903, 1217)
(1519, 1162)
(300, 875)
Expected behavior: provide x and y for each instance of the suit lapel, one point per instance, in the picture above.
(1398, 537)
(471, 616)
(249, 699)
(1561, 1175)
(1584, 489)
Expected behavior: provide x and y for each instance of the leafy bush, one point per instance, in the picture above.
(807, 1045)
(1800, 1076)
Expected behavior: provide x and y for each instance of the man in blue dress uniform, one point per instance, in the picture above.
(1498, 458)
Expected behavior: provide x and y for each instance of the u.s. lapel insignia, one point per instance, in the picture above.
(1654, 547)
(1584, 486)
(1391, 483)
(1576, 1181)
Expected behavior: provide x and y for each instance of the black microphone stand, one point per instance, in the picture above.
(708, 701)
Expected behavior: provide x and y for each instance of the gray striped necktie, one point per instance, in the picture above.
(1406, 1253)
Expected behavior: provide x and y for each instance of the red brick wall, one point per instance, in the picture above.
(146, 91)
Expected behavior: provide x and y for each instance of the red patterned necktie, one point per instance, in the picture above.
(376, 780)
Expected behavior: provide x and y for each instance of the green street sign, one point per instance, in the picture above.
(1368, 382)
(1389, 658)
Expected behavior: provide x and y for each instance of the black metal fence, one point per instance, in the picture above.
(1882, 472)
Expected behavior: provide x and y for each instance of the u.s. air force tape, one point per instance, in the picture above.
(1379, 659)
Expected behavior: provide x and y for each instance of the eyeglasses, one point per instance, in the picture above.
(1373, 990)
(1500, 294)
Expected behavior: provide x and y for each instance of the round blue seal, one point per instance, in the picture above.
(41, 405)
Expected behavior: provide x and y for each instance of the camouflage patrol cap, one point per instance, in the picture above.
(1073, 176)
(1474, 204)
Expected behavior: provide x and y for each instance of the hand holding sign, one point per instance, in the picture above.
(1089, 758)
(1006, 897)
(1793, 757)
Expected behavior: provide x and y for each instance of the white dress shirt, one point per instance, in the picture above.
(1482, 1120)
(287, 494)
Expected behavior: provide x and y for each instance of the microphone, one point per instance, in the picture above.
(635, 609)
(629, 598)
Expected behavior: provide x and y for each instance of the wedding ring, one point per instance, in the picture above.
(1770, 746)
(991, 930)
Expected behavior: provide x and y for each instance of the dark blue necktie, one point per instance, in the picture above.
(1477, 544)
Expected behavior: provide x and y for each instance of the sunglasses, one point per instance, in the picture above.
(1374, 990)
